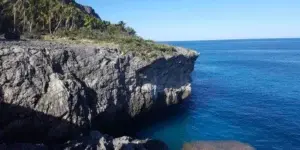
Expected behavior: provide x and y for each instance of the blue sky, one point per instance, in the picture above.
(167, 20)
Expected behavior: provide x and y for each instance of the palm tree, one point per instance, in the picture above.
(31, 14)
(122, 24)
(42, 15)
(130, 31)
(59, 9)
(19, 7)
(68, 13)
(15, 17)
(51, 9)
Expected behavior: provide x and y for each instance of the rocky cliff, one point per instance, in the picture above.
(87, 9)
(50, 91)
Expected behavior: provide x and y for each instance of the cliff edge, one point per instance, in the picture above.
(51, 92)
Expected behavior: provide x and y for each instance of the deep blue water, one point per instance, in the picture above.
(245, 90)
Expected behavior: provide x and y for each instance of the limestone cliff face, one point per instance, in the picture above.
(78, 85)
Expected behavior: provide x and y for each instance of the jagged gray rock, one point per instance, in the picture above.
(57, 89)
(99, 141)
(94, 141)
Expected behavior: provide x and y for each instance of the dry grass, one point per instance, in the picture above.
(145, 49)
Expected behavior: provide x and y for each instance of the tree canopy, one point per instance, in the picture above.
(50, 16)
(67, 20)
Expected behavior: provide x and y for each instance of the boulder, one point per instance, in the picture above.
(99, 141)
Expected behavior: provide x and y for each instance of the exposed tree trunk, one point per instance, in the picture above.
(59, 23)
(72, 26)
(50, 30)
(30, 26)
(67, 23)
(24, 21)
(15, 17)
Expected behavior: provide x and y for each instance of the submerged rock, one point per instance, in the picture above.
(51, 92)
(217, 145)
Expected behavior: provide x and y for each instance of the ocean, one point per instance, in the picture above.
(244, 90)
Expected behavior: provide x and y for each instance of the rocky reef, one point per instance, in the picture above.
(52, 92)
(93, 141)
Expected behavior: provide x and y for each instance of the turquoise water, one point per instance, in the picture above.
(245, 90)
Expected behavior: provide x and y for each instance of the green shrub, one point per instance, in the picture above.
(56, 20)
(146, 49)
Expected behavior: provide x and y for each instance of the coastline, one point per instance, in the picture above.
(67, 89)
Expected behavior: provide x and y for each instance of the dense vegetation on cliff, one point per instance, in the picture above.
(68, 20)
(51, 16)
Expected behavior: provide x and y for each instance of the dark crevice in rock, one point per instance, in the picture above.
(36, 99)
(46, 86)
(57, 68)
(65, 57)
(90, 94)
(58, 63)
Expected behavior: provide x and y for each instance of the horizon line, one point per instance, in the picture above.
(277, 38)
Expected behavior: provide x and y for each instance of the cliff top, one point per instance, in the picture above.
(66, 21)
(148, 49)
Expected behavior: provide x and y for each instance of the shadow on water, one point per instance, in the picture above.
(133, 126)
(201, 95)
